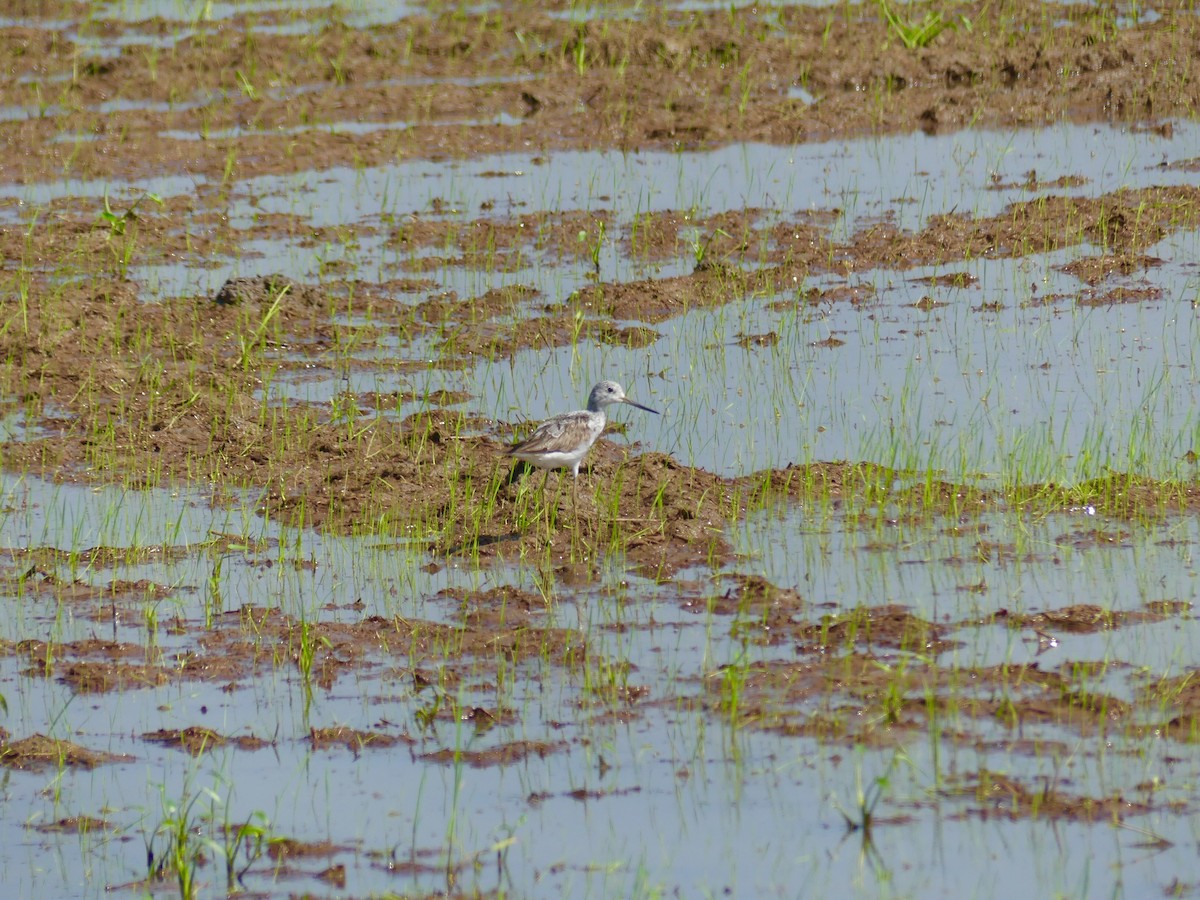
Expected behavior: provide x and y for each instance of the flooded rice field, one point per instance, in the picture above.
(893, 597)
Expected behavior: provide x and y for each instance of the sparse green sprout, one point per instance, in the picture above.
(595, 242)
(251, 346)
(246, 86)
(118, 222)
(700, 248)
(914, 35)
(579, 52)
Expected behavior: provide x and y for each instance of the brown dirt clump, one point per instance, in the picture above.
(998, 795)
(887, 626)
(1095, 269)
(282, 849)
(504, 755)
(39, 752)
(75, 824)
(1120, 295)
(101, 677)
(352, 739)
(197, 739)
(93, 666)
(1086, 618)
(750, 595)
(872, 676)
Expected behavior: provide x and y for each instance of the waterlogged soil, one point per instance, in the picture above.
(860, 677)
(661, 78)
(119, 385)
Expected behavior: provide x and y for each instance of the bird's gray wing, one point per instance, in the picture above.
(555, 433)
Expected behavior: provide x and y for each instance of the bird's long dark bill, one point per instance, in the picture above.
(639, 406)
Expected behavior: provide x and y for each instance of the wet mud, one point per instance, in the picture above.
(120, 385)
(664, 78)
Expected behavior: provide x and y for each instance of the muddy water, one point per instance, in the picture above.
(895, 595)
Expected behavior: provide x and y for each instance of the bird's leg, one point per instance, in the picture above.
(545, 500)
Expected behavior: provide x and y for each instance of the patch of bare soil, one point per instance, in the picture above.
(251, 642)
(750, 595)
(197, 739)
(94, 666)
(1120, 295)
(860, 698)
(1180, 696)
(1086, 618)
(99, 677)
(886, 626)
(39, 752)
(503, 755)
(420, 862)
(290, 848)
(872, 676)
(75, 824)
(662, 78)
(352, 739)
(997, 795)
(583, 795)
(1095, 269)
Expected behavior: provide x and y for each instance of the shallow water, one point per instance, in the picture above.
(949, 389)
(671, 796)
